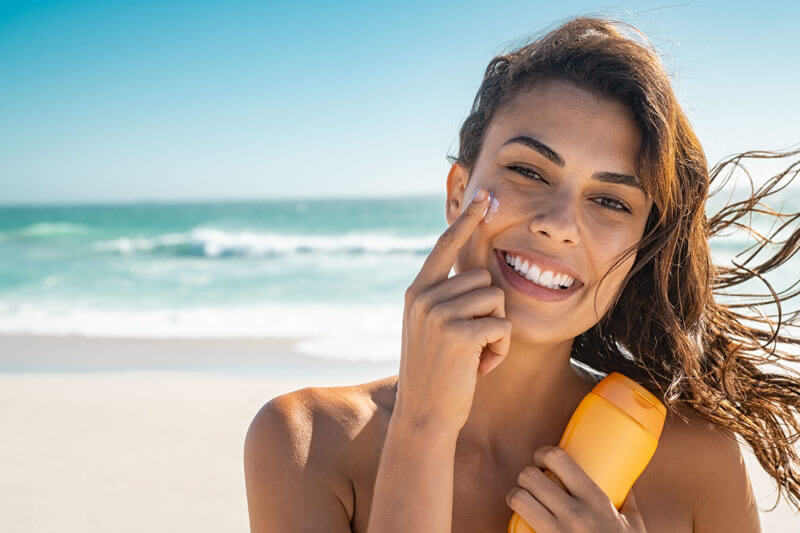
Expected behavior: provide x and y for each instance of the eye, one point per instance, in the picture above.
(614, 205)
(621, 206)
(528, 173)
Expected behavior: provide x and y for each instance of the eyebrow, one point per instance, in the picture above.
(549, 153)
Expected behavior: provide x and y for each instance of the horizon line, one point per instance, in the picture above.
(231, 199)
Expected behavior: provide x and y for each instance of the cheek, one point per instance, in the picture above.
(612, 284)
(604, 246)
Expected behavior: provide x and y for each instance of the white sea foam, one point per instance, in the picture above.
(211, 242)
(355, 332)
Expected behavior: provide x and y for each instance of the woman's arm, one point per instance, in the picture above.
(286, 491)
(414, 484)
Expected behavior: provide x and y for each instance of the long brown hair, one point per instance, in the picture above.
(666, 328)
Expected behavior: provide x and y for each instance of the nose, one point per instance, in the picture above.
(557, 218)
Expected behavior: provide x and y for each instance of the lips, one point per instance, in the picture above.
(529, 288)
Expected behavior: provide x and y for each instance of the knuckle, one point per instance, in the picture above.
(413, 305)
(446, 239)
(437, 313)
(411, 294)
(423, 303)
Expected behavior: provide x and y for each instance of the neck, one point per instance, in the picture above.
(525, 402)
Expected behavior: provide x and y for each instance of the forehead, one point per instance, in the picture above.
(574, 122)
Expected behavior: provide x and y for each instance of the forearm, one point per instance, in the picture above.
(414, 485)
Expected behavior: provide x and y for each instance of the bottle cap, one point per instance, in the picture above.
(638, 402)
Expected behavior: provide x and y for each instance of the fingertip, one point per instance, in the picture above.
(478, 195)
(487, 209)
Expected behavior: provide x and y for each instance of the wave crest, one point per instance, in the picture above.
(213, 243)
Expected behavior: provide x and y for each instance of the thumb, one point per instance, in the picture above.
(630, 511)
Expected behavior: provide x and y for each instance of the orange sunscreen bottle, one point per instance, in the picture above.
(612, 435)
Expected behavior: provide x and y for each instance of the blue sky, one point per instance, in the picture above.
(137, 101)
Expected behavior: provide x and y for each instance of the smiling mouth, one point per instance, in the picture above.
(538, 275)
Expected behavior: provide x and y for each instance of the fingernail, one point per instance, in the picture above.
(490, 211)
(478, 194)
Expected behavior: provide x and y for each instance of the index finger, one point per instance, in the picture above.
(441, 259)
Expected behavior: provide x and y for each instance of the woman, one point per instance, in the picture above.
(593, 251)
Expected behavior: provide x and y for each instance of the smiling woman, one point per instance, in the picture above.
(596, 261)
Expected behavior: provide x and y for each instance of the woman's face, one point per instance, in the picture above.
(541, 157)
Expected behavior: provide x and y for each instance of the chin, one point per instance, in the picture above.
(529, 330)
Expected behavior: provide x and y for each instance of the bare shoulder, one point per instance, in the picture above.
(303, 443)
(712, 474)
(335, 414)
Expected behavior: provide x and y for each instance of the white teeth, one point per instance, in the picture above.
(536, 274)
(531, 271)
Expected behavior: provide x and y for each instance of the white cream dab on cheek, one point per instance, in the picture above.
(494, 204)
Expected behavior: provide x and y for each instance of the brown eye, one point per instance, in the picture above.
(620, 206)
(528, 173)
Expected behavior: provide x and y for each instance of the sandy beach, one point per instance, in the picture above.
(89, 445)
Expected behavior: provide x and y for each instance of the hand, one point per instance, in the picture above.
(452, 329)
(573, 503)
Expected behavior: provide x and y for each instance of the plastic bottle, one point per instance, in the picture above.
(612, 435)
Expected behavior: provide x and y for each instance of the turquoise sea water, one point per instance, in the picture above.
(325, 269)
(328, 270)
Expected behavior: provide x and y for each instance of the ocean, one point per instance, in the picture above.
(330, 271)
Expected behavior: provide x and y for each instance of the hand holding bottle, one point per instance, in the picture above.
(584, 483)
(563, 498)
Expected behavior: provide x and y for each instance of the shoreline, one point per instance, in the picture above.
(274, 356)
